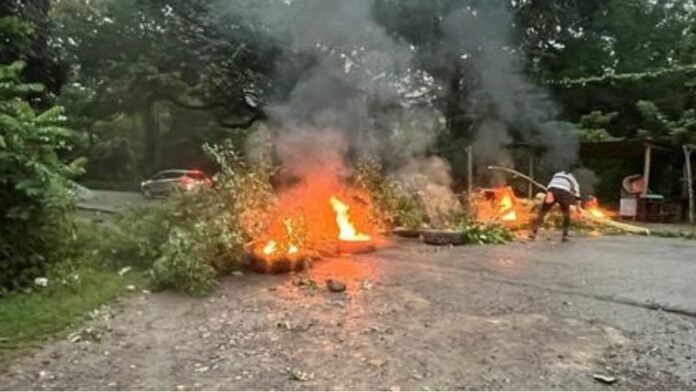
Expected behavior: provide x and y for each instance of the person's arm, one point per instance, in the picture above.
(576, 188)
(576, 193)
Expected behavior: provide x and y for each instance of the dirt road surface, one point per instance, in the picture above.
(522, 316)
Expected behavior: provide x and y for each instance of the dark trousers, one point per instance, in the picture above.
(564, 199)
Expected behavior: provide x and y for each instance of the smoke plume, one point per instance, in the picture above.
(507, 105)
(359, 93)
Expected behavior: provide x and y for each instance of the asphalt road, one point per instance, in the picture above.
(111, 201)
(519, 316)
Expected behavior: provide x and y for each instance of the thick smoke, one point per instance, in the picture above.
(354, 98)
(357, 94)
(507, 104)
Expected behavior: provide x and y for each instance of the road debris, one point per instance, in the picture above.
(604, 379)
(299, 375)
(335, 285)
(307, 283)
(86, 335)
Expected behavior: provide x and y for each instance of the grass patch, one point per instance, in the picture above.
(29, 317)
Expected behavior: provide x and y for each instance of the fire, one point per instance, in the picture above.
(287, 248)
(292, 249)
(499, 205)
(506, 205)
(596, 213)
(317, 216)
(270, 247)
(592, 206)
(347, 230)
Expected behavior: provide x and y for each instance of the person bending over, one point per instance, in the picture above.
(564, 190)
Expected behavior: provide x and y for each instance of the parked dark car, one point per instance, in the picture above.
(165, 182)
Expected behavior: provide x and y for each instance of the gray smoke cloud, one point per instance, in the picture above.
(361, 92)
(507, 103)
(360, 88)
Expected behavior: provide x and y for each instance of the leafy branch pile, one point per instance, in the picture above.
(195, 236)
(475, 233)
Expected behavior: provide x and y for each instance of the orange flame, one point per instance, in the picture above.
(270, 248)
(499, 205)
(292, 249)
(506, 205)
(347, 231)
(596, 213)
(303, 220)
(592, 206)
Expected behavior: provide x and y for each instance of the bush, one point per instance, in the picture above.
(137, 236)
(35, 196)
(182, 265)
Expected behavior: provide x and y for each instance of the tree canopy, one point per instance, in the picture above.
(147, 82)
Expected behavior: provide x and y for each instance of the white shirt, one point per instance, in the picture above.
(565, 181)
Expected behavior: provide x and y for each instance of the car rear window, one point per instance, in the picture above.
(168, 175)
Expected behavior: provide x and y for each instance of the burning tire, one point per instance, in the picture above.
(355, 247)
(442, 237)
(279, 265)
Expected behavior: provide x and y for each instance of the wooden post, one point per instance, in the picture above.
(690, 182)
(646, 170)
(530, 186)
(469, 170)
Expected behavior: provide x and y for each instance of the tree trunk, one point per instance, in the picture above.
(151, 136)
(689, 181)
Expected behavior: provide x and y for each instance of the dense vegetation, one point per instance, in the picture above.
(152, 81)
(106, 92)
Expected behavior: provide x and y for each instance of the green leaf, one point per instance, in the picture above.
(52, 114)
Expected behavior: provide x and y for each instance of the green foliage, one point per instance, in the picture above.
(14, 37)
(74, 286)
(137, 236)
(394, 206)
(195, 235)
(476, 233)
(34, 187)
(658, 125)
(28, 316)
(593, 126)
(180, 266)
(183, 74)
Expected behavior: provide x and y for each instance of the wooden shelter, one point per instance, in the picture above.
(649, 206)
